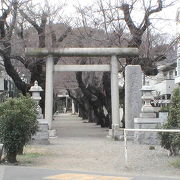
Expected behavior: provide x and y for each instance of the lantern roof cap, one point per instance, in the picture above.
(36, 87)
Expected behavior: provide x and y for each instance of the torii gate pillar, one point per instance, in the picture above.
(114, 95)
(49, 91)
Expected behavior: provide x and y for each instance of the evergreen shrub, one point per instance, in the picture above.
(171, 141)
(18, 123)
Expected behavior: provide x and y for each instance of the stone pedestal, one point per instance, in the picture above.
(52, 133)
(118, 134)
(42, 135)
(150, 138)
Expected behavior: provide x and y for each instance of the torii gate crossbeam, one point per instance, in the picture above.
(85, 52)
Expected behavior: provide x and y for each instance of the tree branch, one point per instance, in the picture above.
(145, 23)
(53, 36)
(12, 73)
(128, 19)
(43, 21)
(9, 35)
(33, 23)
(22, 60)
(65, 34)
(3, 21)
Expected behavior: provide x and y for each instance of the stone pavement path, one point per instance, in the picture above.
(84, 147)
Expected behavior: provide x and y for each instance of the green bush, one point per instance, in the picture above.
(176, 163)
(17, 124)
(171, 141)
(164, 109)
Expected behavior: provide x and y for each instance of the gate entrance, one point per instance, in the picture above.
(113, 53)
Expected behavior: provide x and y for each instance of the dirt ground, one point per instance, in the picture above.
(84, 147)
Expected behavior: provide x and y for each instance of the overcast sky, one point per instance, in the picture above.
(162, 26)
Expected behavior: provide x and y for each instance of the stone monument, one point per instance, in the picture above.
(133, 102)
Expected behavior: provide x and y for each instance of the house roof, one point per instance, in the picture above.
(168, 67)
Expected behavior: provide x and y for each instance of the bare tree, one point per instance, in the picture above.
(125, 23)
(26, 23)
(121, 28)
(7, 26)
(105, 24)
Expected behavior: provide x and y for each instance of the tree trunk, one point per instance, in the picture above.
(90, 114)
(82, 113)
(100, 117)
(20, 152)
(11, 157)
(107, 90)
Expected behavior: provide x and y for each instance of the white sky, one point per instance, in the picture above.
(162, 26)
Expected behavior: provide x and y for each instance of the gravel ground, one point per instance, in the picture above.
(84, 147)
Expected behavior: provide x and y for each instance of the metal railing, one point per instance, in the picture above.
(142, 130)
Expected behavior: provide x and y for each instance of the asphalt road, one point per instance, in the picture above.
(27, 173)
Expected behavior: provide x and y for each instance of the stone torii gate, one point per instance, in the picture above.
(114, 53)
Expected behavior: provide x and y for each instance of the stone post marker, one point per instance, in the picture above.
(42, 135)
(133, 102)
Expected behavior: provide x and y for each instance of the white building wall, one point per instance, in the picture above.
(177, 79)
(1, 84)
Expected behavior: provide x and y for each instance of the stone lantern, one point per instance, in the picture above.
(147, 110)
(42, 135)
(36, 90)
(147, 119)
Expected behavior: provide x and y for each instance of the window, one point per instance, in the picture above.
(171, 75)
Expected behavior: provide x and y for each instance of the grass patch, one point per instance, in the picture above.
(28, 158)
(31, 155)
(176, 163)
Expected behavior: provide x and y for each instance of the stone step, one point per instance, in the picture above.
(75, 116)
